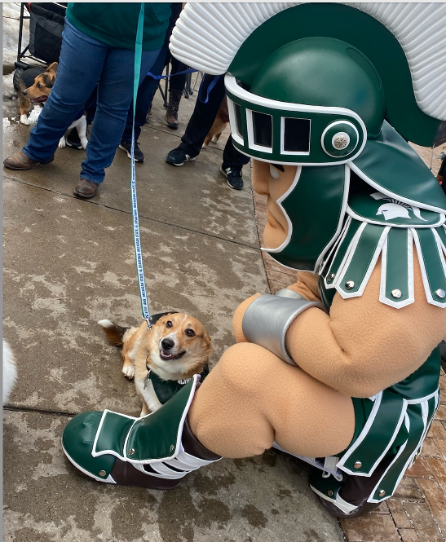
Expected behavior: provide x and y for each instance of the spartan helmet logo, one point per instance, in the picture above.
(395, 208)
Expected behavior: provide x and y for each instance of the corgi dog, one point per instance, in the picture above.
(9, 371)
(35, 86)
(220, 123)
(163, 358)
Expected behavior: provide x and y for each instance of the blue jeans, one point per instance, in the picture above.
(146, 92)
(83, 62)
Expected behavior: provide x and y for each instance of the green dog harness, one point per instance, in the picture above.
(166, 389)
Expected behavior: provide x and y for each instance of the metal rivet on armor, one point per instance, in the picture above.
(131, 451)
(349, 284)
(102, 473)
(382, 493)
(330, 277)
(330, 493)
(396, 293)
(358, 465)
(440, 293)
(341, 140)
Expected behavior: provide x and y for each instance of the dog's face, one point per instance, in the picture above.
(178, 344)
(39, 91)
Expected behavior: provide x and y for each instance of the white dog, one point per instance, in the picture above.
(9, 371)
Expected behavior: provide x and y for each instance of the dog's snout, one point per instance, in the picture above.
(167, 344)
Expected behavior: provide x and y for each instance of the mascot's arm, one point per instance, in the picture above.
(306, 285)
(364, 346)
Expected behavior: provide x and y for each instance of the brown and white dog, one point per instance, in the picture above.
(220, 123)
(174, 349)
(35, 86)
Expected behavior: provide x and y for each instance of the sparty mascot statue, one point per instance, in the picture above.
(342, 368)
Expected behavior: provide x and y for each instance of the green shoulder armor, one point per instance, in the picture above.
(378, 225)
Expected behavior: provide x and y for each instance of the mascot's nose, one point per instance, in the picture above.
(167, 344)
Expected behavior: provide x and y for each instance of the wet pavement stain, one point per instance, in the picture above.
(255, 516)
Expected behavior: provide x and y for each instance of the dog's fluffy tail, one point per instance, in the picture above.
(9, 371)
(115, 333)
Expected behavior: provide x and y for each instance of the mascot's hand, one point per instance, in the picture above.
(238, 318)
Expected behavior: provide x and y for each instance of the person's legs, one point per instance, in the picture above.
(204, 114)
(232, 157)
(76, 77)
(176, 88)
(178, 81)
(114, 96)
(144, 99)
(252, 398)
(233, 162)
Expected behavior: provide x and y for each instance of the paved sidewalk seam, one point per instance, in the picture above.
(14, 179)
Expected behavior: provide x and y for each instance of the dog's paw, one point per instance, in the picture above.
(214, 139)
(84, 142)
(25, 120)
(62, 143)
(128, 371)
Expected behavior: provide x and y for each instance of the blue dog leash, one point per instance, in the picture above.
(159, 77)
(136, 234)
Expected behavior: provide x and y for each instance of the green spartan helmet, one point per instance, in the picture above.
(348, 107)
(298, 94)
(324, 72)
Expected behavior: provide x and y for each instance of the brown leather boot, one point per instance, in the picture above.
(19, 161)
(86, 189)
(172, 108)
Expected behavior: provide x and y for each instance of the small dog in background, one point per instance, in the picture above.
(220, 123)
(35, 85)
(161, 359)
(9, 371)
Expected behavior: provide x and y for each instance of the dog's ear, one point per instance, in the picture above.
(52, 68)
(208, 341)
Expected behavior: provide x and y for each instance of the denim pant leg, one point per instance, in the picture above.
(204, 114)
(146, 92)
(77, 76)
(115, 93)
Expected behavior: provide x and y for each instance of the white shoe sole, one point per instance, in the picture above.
(130, 156)
(182, 163)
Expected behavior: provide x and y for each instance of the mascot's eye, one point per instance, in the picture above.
(190, 333)
(169, 323)
(279, 167)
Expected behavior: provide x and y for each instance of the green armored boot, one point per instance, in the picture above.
(154, 452)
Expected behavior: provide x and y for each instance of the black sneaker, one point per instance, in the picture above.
(127, 146)
(73, 140)
(178, 156)
(234, 177)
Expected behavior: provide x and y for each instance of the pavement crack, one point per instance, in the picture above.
(90, 202)
(49, 412)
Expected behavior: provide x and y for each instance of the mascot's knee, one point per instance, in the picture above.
(246, 366)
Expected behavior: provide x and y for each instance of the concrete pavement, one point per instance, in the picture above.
(69, 263)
